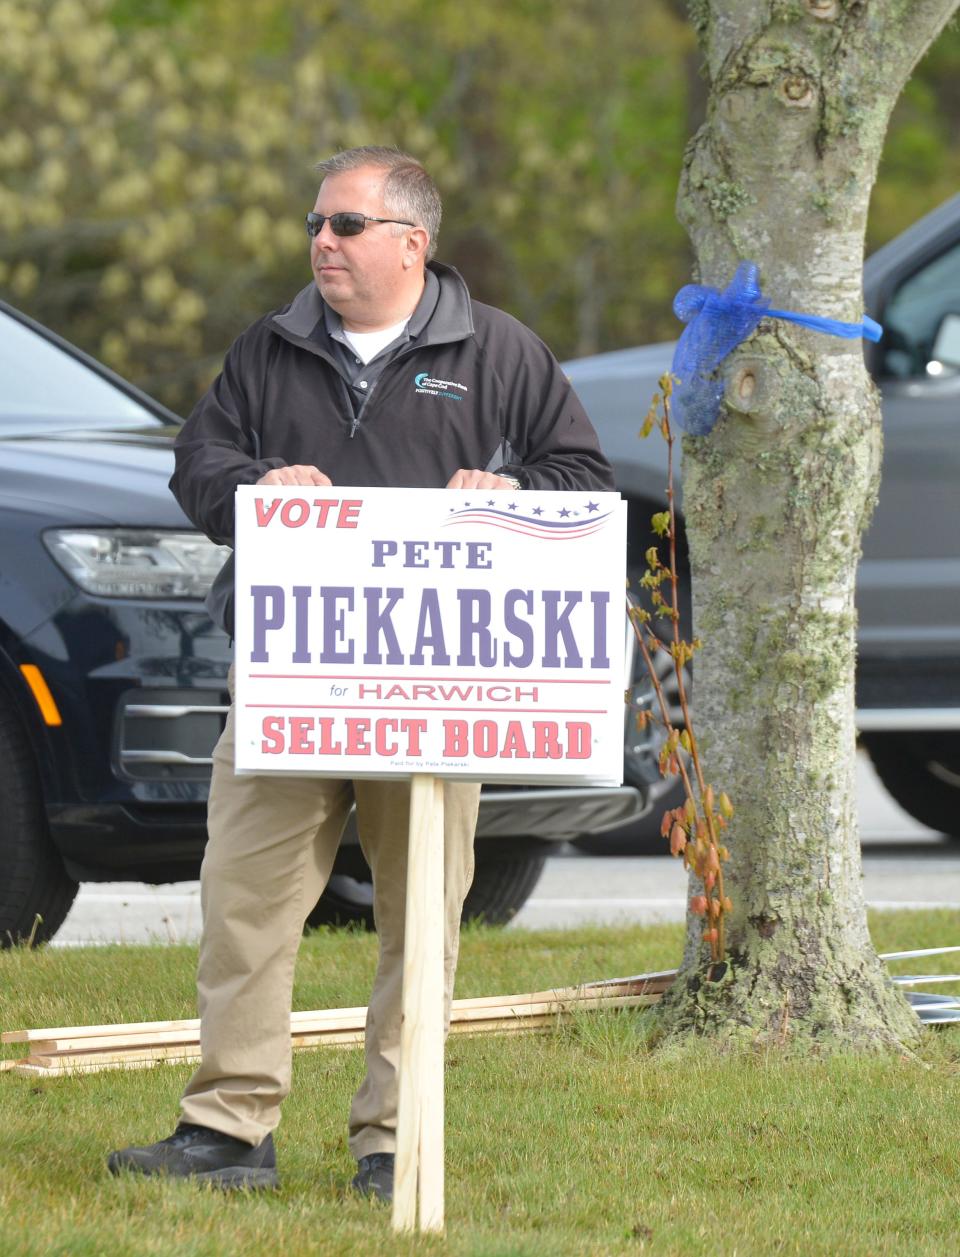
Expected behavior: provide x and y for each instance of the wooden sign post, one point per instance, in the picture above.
(418, 1176)
(429, 634)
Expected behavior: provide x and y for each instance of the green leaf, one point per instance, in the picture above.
(661, 523)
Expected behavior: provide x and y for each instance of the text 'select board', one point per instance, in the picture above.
(477, 635)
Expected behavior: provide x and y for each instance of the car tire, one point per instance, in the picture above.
(36, 893)
(922, 773)
(502, 883)
(642, 748)
(640, 768)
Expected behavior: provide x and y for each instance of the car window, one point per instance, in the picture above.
(914, 314)
(44, 389)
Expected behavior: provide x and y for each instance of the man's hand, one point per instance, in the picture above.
(296, 475)
(467, 478)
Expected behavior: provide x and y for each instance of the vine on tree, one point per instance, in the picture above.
(694, 829)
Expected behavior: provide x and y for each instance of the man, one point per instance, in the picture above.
(381, 372)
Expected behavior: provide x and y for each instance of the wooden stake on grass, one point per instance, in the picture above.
(418, 1174)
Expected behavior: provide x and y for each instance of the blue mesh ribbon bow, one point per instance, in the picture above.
(716, 323)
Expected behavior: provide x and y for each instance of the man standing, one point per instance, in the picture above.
(382, 372)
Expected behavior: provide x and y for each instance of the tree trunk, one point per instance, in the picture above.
(776, 500)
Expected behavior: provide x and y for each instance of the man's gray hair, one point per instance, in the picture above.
(408, 191)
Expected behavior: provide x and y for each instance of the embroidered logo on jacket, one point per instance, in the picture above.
(425, 383)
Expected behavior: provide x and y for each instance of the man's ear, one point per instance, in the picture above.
(416, 249)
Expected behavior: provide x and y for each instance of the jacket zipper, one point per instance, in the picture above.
(404, 353)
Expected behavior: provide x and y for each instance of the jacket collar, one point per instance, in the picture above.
(304, 322)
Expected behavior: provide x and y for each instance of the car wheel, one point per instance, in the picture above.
(641, 749)
(922, 772)
(502, 883)
(35, 891)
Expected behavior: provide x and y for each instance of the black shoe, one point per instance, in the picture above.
(206, 1155)
(374, 1176)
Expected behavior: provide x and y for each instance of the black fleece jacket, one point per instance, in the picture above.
(475, 388)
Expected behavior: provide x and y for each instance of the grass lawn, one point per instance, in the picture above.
(574, 1142)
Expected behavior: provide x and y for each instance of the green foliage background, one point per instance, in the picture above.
(156, 159)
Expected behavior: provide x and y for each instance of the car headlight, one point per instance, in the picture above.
(137, 562)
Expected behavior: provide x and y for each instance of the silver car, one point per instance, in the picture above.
(908, 592)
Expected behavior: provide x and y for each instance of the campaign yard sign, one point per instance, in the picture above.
(470, 634)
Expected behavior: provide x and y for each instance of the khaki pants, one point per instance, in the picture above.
(271, 846)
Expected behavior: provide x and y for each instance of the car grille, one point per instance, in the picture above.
(170, 733)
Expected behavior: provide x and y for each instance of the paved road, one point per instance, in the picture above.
(905, 865)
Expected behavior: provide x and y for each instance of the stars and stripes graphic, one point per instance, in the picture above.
(575, 518)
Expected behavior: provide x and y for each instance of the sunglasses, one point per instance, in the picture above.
(346, 224)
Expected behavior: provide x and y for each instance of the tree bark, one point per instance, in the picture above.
(776, 500)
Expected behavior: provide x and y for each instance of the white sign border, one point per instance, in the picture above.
(493, 522)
